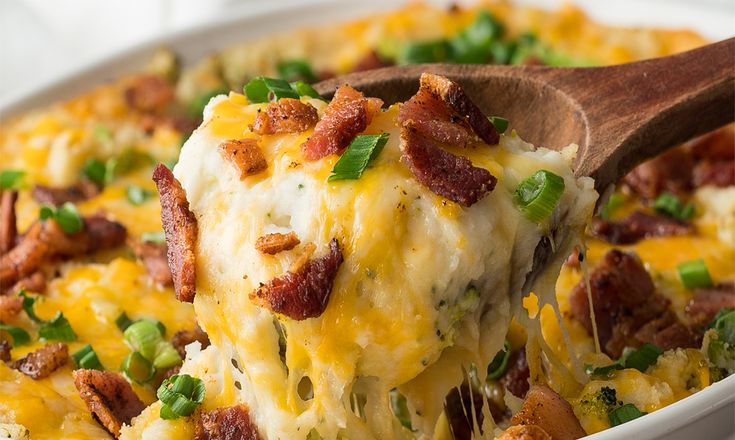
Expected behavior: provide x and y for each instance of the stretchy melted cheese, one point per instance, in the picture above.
(426, 287)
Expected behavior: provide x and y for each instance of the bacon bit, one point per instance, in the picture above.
(182, 338)
(272, 244)
(345, 117)
(720, 173)
(525, 432)
(36, 282)
(638, 226)
(10, 306)
(670, 171)
(708, 301)
(287, 115)
(455, 98)
(5, 351)
(306, 252)
(549, 411)
(180, 226)
(516, 379)
(668, 333)
(148, 93)
(154, 259)
(303, 294)
(25, 258)
(430, 116)
(245, 154)
(444, 173)
(371, 61)
(8, 228)
(109, 398)
(226, 424)
(463, 406)
(85, 189)
(103, 233)
(44, 361)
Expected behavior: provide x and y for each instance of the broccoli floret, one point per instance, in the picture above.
(600, 402)
(720, 344)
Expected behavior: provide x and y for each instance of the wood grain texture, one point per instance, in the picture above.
(619, 115)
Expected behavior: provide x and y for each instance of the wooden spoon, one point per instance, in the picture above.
(618, 115)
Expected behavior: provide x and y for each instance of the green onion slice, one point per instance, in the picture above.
(137, 195)
(399, 406)
(304, 89)
(20, 336)
(694, 274)
(361, 151)
(123, 321)
(143, 336)
(500, 124)
(180, 395)
(57, 328)
(640, 359)
(10, 179)
(425, 52)
(28, 303)
(158, 237)
(537, 196)
(95, 170)
(670, 205)
(296, 70)
(263, 89)
(166, 356)
(613, 203)
(196, 106)
(137, 368)
(65, 215)
(499, 365)
(624, 414)
(87, 358)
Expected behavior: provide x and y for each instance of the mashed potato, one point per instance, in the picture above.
(426, 286)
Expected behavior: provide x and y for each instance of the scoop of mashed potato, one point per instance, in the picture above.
(426, 287)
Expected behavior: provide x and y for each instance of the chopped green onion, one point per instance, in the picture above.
(137, 368)
(263, 89)
(129, 160)
(180, 395)
(537, 196)
(624, 414)
(502, 51)
(102, 134)
(95, 170)
(694, 274)
(670, 205)
(613, 202)
(57, 329)
(500, 124)
(137, 195)
(399, 406)
(20, 336)
(143, 336)
(497, 367)
(642, 358)
(65, 215)
(123, 321)
(171, 163)
(361, 151)
(720, 315)
(153, 237)
(166, 356)
(304, 89)
(425, 52)
(28, 303)
(296, 70)
(86, 358)
(10, 179)
(196, 106)
(724, 323)
(472, 44)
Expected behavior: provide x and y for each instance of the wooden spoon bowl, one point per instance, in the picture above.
(619, 115)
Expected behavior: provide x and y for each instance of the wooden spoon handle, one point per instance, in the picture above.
(635, 111)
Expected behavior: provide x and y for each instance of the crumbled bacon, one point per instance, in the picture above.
(430, 116)
(148, 93)
(5, 350)
(549, 411)
(245, 154)
(716, 145)
(345, 117)
(35, 282)
(287, 115)
(272, 244)
(525, 432)
(515, 379)
(8, 228)
(85, 189)
(638, 226)
(305, 293)
(372, 60)
(720, 173)
(461, 105)
(25, 258)
(461, 415)
(708, 301)
(44, 361)
(10, 306)
(109, 398)
(444, 173)
(182, 338)
(625, 300)
(180, 226)
(670, 172)
(153, 256)
(103, 233)
(230, 423)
